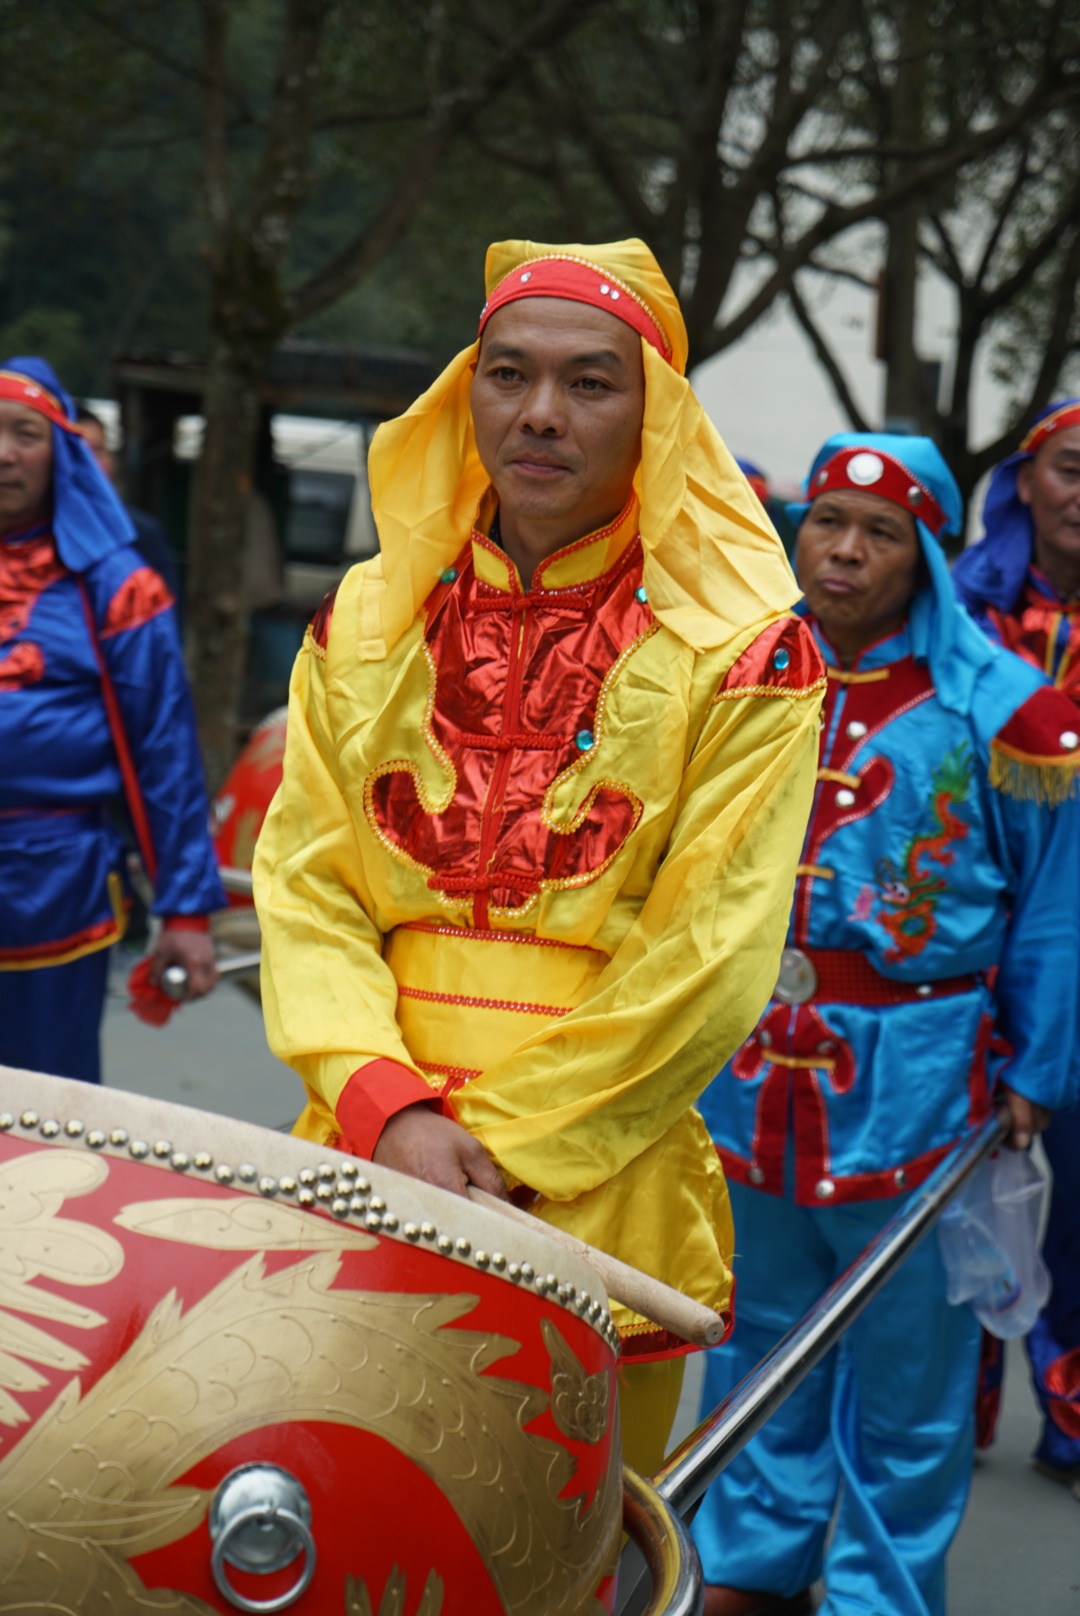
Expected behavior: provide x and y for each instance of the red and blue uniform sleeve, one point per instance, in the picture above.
(1038, 980)
(140, 647)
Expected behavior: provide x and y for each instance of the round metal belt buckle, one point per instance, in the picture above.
(797, 982)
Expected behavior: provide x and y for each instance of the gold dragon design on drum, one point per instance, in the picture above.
(96, 1481)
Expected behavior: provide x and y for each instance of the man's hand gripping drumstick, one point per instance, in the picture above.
(420, 1142)
(425, 1145)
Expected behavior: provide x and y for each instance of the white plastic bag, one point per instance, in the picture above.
(989, 1237)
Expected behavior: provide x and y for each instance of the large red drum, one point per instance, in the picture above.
(238, 1371)
(240, 806)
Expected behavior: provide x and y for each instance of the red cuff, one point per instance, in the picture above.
(186, 923)
(374, 1094)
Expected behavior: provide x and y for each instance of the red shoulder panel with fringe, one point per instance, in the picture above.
(1035, 755)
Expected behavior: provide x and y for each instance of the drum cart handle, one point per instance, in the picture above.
(684, 1478)
(665, 1546)
(695, 1464)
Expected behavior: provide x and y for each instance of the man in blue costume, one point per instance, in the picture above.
(934, 860)
(1022, 583)
(94, 705)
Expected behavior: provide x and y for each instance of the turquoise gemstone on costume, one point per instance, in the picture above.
(584, 740)
(640, 593)
(781, 659)
(449, 576)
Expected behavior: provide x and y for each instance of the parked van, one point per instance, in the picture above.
(301, 540)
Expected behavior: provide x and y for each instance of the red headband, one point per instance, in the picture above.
(878, 473)
(579, 281)
(1065, 416)
(23, 390)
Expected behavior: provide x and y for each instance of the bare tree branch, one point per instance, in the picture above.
(448, 117)
(281, 182)
(1058, 345)
(827, 360)
(838, 217)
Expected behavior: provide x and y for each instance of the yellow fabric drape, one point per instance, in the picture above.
(712, 565)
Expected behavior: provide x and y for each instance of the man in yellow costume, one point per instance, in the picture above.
(550, 758)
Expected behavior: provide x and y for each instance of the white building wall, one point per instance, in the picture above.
(773, 403)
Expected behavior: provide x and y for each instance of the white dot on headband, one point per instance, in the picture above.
(865, 468)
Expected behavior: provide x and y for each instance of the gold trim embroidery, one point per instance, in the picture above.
(848, 676)
(430, 997)
(428, 804)
(772, 690)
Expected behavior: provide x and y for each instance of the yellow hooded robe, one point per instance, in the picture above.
(573, 1032)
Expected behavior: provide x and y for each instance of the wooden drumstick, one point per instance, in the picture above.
(689, 1320)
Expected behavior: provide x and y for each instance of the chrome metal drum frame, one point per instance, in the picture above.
(697, 1462)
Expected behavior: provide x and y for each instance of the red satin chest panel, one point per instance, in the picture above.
(518, 699)
(26, 570)
(1038, 632)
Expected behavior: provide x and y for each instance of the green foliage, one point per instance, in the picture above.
(55, 333)
(100, 174)
(717, 129)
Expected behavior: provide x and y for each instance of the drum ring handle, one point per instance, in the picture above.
(260, 1512)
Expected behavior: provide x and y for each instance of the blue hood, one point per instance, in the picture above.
(942, 633)
(992, 572)
(89, 521)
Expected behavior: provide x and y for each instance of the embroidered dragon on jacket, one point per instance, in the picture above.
(910, 896)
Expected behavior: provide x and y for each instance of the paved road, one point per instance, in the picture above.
(1018, 1551)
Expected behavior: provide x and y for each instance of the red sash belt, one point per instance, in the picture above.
(846, 977)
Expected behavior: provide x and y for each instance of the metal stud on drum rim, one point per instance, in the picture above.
(260, 1521)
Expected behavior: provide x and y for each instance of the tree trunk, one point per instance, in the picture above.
(904, 391)
(217, 528)
(908, 407)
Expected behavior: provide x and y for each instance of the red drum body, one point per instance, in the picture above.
(192, 1309)
(240, 806)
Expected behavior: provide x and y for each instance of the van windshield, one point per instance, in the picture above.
(318, 515)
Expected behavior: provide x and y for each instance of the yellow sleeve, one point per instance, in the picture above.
(328, 998)
(588, 1094)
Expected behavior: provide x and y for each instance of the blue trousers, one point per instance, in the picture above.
(50, 1018)
(1054, 1344)
(879, 1435)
